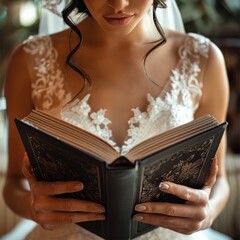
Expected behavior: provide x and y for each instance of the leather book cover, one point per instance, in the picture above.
(120, 187)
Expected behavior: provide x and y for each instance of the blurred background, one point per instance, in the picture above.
(217, 19)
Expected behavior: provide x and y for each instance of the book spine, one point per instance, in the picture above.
(120, 200)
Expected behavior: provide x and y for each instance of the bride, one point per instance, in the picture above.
(102, 66)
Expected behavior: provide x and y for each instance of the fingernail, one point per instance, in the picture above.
(79, 186)
(164, 186)
(25, 156)
(138, 218)
(140, 207)
(100, 209)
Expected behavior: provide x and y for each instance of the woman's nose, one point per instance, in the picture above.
(118, 5)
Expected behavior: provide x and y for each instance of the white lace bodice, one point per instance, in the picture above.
(49, 89)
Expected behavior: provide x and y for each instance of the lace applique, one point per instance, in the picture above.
(176, 107)
(79, 114)
(160, 116)
(197, 45)
(184, 78)
(48, 86)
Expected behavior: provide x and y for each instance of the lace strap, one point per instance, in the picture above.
(193, 53)
(48, 87)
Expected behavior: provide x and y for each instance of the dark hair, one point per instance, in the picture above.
(81, 8)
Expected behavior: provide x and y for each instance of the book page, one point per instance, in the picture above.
(81, 139)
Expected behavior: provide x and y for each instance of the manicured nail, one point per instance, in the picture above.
(79, 187)
(140, 207)
(138, 218)
(100, 209)
(164, 186)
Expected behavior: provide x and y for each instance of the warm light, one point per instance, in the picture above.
(28, 14)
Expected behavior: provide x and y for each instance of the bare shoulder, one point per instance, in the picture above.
(215, 71)
(17, 55)
(17, 87)
(215, 83)
(20, 57)
(197, 42)
(175, 39)
(176, 36)
(37, 43)
(216, 55)
(17, 64)
(20, 61)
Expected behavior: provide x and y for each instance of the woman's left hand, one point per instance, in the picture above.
(186, 218)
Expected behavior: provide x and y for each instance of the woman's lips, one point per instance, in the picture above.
(118, 19)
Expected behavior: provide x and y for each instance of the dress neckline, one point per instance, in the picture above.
(100, 122)
(180, 85)
(176, 107)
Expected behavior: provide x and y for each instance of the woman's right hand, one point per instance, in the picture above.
(52, 212)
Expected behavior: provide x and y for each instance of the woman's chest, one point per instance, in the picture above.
(123, 100)
(124, 107)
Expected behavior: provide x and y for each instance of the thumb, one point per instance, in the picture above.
(26, 169)
(211, 179)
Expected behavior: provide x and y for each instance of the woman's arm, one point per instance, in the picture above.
(22, 193)
(215, 101)
(204, 205)
(19, 104)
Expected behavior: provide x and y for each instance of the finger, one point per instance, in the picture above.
(55, 220)
(172, 209)
(168, 222)
(185, 231)
(197, 196)
(212, 175)
(27, 171)
(48, 188)
(43, 204)
(56, 188)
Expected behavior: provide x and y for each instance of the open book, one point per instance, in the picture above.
(59, 151)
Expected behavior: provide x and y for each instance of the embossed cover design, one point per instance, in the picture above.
(184, 167)
(59, 151)
(57, 164)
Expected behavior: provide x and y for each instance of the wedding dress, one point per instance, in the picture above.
(175, 107)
